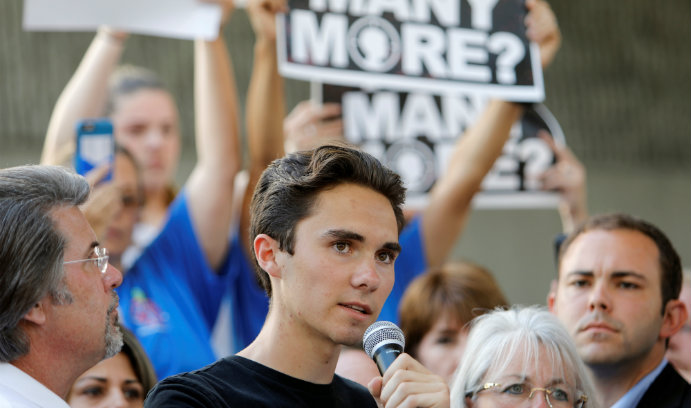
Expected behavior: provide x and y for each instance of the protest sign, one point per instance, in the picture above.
(415, 133)
(186, 19)
(441, 46)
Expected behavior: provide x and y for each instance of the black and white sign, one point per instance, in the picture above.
(415, 133)
(440, 46)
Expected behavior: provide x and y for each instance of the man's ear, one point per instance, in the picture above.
(267, 250)
(37, 314)
(674, 318)
(552, 295)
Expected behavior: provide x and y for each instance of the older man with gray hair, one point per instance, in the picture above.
(58, 306)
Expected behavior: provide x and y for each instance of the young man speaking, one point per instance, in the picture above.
(325, 227)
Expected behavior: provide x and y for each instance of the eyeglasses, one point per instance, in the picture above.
(516, 394)
(101, 260)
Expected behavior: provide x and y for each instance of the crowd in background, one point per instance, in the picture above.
(193, 282)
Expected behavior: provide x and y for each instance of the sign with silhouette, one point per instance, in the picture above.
(461, 46)
(415, 133)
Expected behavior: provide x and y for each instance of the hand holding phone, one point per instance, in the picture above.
(95, 146)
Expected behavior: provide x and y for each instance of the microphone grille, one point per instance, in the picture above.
(381, 332)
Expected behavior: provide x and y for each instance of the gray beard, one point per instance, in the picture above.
(113, 335)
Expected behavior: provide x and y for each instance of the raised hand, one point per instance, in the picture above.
(262, 14)
(309, 125)
(541, 27)
(568, 177)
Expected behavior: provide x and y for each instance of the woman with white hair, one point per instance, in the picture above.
(521, 357)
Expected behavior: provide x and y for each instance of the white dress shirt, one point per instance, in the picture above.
(20, 390)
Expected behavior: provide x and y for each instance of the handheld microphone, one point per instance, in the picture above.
(383, 342)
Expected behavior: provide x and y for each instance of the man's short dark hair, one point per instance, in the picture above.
(670, 264)
(31, 248)
(287, 189)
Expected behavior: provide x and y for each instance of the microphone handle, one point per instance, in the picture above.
(385, 356)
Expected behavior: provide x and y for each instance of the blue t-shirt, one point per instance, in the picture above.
(170, 297)
(410, 263)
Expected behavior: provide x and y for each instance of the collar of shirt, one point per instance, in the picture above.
(19, 389)
(634, 395)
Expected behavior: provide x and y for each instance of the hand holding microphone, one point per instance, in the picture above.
(384, 342)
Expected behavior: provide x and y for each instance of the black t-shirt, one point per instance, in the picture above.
(238, 382)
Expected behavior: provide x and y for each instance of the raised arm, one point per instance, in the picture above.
(473, 156)
(475, 153)
(568, 177)
(210, 185)
(84, 95)
(265, 101)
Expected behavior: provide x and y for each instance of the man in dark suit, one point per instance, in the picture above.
(617, 294)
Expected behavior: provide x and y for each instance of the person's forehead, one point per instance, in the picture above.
(117, 369)
(355, 208)
(449, 319)
(340, 195)
(125, 171)
(144, 96)
(145, 106)
(74, 228)
(542, 367)
(124, 163)
(613, 249)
